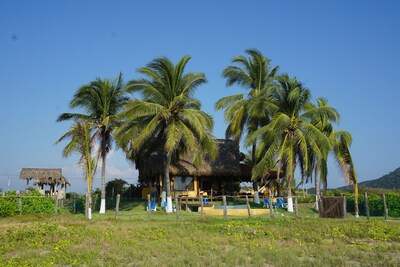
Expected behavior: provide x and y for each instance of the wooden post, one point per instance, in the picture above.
(148, 207)
(385, 207)
(187, 199)
(201, 207)
(225, 210)
(56, 197)
(74, 203)
(19, 202)
(366, 205)
(296, 207)
(211, 195)
(344, 207)
(248, 206)
(177, 208)
(117, 206)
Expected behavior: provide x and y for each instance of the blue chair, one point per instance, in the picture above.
(152, 206)
(280, 203)
(266, 203)
(205, 200)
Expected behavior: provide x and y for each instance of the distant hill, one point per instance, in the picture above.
(388, 181)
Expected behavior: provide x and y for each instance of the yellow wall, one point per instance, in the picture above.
(234, 212)
(194, 193)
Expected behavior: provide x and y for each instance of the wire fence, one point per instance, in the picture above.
(370, 204)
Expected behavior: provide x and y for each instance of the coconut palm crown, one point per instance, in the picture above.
(243, 112)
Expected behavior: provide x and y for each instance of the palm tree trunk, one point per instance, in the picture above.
(163, 192)
(355, 184)
(256, 198)
(167, 164)
(103, 185)
(256, 194)
(317, 187)
(289, 195)
(89, 197)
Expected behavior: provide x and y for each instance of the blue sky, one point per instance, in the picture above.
(345, 51)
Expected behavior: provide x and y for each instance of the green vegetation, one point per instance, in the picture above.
(36, 204)
(132, 240)
(375, 204)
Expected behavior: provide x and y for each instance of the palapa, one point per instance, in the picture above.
(44, 176)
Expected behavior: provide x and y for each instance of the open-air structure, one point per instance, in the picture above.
(46, 177)
(186, 179)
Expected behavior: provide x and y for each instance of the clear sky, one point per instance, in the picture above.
(345, 51)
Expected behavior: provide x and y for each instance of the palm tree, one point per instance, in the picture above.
(342, 142)
(291, 135)
(248, 113)
(102, 100)
(319, 165)
(167, 119)
(81, 143)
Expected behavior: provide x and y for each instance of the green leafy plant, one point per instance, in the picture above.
(375, 204)
(9, 206)
(37, 205)
(40, 204)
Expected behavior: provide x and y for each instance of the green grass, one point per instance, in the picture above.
(132, 240)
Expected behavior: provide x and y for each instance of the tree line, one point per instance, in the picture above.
(274, 118)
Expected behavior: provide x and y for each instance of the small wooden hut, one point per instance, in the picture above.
(46, 177)
(212, 174)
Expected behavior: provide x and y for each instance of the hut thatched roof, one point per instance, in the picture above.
(226, 164)
(43, 176)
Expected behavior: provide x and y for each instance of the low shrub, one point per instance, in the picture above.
(9, 206)
(37, 205)
(306, 199)
(79, 205)
(375, 204)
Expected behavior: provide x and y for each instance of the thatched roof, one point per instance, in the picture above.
(226, 164)
(43, 176)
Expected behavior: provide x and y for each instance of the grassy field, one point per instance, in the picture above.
(132, 240)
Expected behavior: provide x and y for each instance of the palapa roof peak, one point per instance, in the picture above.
(45, 176)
